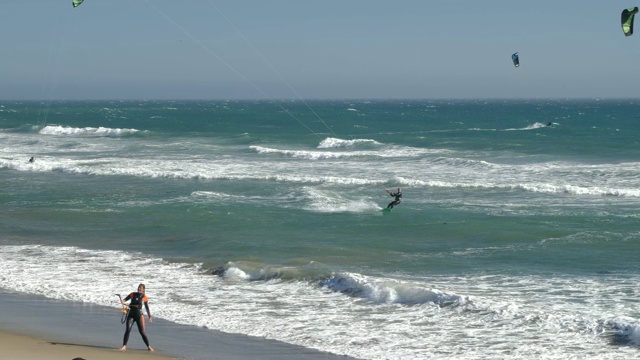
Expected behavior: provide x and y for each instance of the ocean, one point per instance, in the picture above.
(517, 235)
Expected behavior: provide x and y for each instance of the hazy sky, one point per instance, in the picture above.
(322, 49)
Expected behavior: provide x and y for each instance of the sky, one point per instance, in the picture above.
(304, 49)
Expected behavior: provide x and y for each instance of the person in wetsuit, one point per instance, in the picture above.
(135, 315)
(397, 195)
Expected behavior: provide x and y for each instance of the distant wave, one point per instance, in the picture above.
(534, 126)
(153, 170)
(187, 170)
(539, 188)
(580, 190)
(313, 155)
(386, 152)
(86, 131)
(330, 142)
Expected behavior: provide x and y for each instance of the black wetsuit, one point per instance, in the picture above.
(395, 202)
(135, 314)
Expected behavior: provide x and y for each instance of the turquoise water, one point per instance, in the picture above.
(516, 237)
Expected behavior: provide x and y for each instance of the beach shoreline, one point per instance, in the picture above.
(37, 326)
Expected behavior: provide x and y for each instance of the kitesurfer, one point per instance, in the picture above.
(135, 315)
(32, 160)
(397, 195)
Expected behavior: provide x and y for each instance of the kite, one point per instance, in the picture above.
(77, 3)
(516, 59)
(626, 20)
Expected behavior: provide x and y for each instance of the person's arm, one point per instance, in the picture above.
(146, 306)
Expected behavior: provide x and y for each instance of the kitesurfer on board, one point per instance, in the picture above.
(398, 197)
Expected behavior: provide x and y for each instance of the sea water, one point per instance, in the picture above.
(517, 235)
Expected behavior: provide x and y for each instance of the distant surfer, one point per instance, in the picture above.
(32, 160)
(397, 195)
(138, 299)
(550, 123)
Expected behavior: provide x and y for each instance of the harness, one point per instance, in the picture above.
(126, 308)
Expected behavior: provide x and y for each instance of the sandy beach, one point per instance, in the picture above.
(21, 347)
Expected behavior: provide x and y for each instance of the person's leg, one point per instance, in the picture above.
(126, 333)
(140, 322)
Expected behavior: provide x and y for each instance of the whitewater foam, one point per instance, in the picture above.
(86, 131)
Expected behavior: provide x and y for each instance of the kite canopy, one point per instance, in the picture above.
(626, 20)
(77, 3)
(516, 59)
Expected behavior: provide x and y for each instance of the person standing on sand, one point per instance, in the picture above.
(135, 315)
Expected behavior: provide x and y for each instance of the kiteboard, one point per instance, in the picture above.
(386, 211)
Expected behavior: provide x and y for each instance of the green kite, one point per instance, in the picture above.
(626, 20)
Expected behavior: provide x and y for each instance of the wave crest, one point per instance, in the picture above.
(388, 291)
(377, 291)
(86, 131)
(332, 143)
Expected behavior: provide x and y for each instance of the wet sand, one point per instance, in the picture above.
(33, 327)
